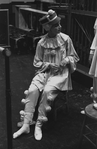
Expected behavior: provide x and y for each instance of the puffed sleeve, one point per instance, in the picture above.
(71, 56)
(38, 58)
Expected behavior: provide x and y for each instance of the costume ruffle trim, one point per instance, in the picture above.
(52, 42)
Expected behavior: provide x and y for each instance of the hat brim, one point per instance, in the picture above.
(58, 19)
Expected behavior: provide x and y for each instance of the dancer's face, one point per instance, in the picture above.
(55, 29)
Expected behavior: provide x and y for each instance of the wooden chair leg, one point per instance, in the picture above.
(82, 132)
(63, 99)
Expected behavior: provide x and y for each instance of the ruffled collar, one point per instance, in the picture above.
(52, 42)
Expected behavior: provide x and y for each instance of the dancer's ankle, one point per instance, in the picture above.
(24, 129)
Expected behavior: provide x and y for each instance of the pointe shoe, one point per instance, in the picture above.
(24, 129)
(38, 133)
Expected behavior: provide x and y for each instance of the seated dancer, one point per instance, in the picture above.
(55, 58)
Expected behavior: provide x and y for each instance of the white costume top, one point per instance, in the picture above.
(56, 50)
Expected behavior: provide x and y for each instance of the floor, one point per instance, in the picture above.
(60, 134)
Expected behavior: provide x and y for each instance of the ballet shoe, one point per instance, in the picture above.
(21, 131)
(38, 133)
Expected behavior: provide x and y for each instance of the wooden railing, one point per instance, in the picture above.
(79, 21)
(29, 20)
(87, 5)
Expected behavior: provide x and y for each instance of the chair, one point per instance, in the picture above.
(60, 104)
(89, 127)
(35, 41)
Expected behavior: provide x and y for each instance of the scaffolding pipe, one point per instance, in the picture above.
(6, 52)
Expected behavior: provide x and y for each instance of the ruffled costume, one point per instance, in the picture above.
(49, 80)
(59, 51)
(56, 50)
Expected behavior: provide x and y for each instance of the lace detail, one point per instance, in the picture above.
(52, 43)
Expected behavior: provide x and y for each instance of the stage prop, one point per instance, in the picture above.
(5, 50)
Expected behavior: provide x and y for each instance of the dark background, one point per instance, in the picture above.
(4, 28)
